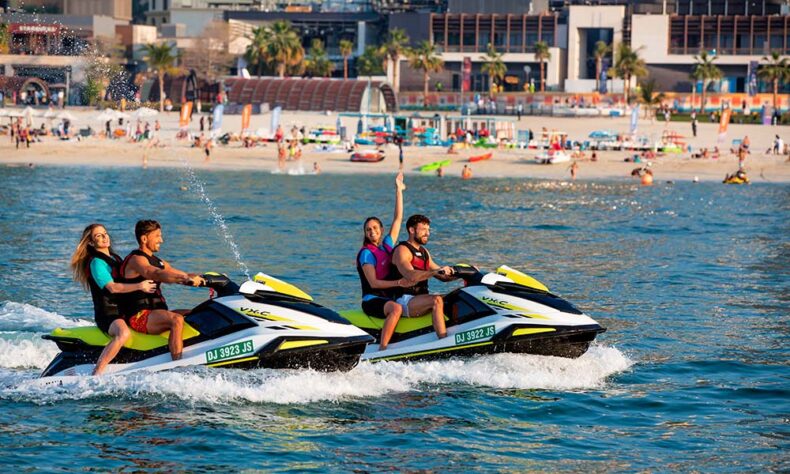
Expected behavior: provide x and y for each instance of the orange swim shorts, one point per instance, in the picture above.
(139, 322)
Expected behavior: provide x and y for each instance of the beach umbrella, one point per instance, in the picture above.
(107, 114)
(66, 116)
(144, 112)
(50, 114)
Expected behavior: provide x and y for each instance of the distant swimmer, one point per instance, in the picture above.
(466, 173)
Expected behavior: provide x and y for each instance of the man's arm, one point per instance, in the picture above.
(139, 265)
(402, 259)
(446, 271)
(193, 279)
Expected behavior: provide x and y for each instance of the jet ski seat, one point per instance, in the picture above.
(93, 336)
(358, 318)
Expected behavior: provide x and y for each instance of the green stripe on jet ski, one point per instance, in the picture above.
(234, 361)
(435, 351)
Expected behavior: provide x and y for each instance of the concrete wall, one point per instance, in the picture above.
(195, 20)
(581, 17)
(651, 33)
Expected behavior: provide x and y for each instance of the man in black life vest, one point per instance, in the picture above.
(148, 312)
(412, 261)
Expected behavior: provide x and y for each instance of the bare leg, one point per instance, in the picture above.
(393, 312)
(120, 333)
(422, 304)
(160, 321)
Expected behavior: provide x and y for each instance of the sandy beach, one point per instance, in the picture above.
(513, 163)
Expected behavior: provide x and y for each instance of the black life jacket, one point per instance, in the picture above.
(420, 260)
(105, 307)
(135, 301)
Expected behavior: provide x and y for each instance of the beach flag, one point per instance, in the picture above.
(275, 120)
(634, 118)
(723, 123)
(246, 113)
(217, 122)
(186, 113)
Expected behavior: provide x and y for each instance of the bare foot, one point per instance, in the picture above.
(177, 356)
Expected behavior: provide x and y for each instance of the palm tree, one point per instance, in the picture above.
(318, 64)
(160, 57)
(601, 51)
(776, 70)
(346, 47)
(284, 47)
(5, 39)
(256, 50)
(628, 64)
(649, 96)
(371, 62)
(706, 71)
(394, 49)
(493, 66)
(425, 59)
(542, 54)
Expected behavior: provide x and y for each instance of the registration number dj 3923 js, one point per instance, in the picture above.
(231, 350)
(475, 334)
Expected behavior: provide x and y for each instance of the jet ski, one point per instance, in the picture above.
(265, 322)
(505, 311)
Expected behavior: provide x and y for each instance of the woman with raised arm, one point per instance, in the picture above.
(374, 263)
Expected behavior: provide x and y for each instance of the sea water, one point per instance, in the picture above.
(691, 281)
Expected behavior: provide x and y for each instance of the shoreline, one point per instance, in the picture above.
(507, 163)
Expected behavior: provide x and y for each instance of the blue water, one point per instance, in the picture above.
(692, 282)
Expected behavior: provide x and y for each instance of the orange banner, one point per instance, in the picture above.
(246, 113)
(186, 114)
(725, 121)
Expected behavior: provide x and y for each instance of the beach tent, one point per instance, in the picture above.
(66, 116)
(144, 112)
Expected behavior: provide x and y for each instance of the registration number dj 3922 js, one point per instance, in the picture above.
(475, 334)
(231, 350)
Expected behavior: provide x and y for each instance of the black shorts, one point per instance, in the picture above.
(104, 322)
(374, 307)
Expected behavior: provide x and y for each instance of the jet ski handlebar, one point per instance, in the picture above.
(465, 272)
(220, 283)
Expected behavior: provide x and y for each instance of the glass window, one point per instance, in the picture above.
(453, 39)
(515, 41)
(547, 37)
(759, 42)
(743, 42)
(469, 40)
(777, 43)
(693, 43)
(725, 42)
(483, 39)
(499, 39)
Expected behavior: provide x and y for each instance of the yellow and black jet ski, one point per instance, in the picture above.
(265, 322)
(504, 311)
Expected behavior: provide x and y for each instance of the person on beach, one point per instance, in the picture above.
(97, 267)
(374, 266)
(574, 168)
(411, 260)
(148, 312)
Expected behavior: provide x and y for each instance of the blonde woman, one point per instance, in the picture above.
(96, 267)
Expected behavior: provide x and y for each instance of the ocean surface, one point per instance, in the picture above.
(691, 280)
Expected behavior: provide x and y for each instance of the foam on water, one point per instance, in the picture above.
(27, 353)
(24, 317)
(202, 385)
